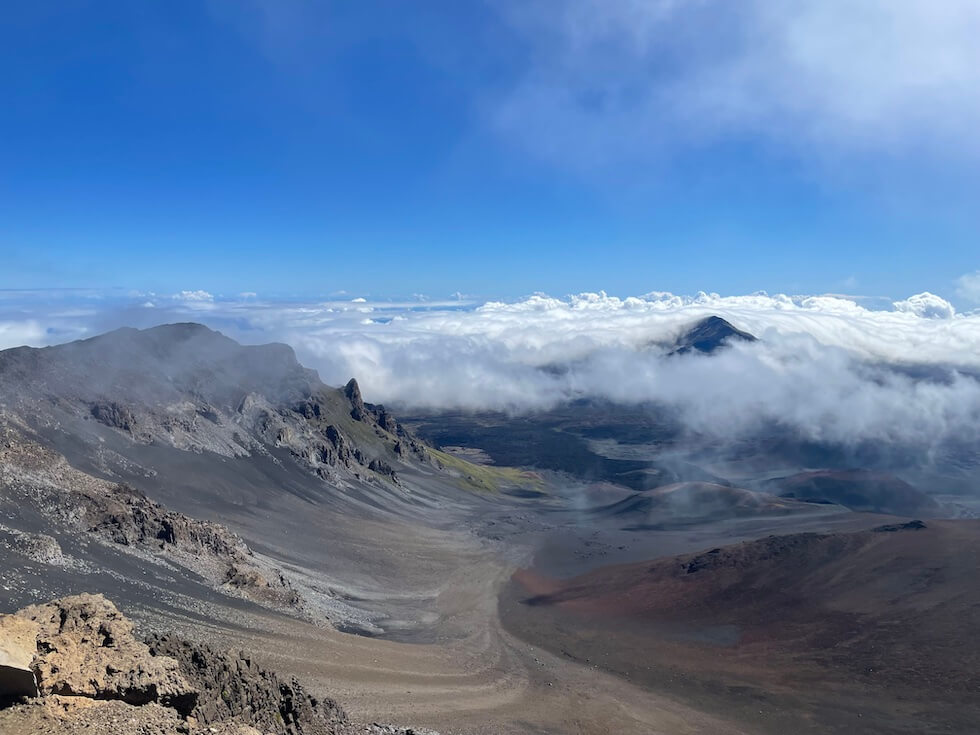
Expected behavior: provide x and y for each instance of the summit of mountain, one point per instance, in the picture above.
(709, 335)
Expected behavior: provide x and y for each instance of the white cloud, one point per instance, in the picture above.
(18, 333)
(817, 367)
(968, 287)
(927, 305)
(611, 79)
(194, 296)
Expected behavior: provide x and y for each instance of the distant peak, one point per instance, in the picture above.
(709, 334)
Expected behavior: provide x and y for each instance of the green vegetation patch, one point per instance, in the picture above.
(486, 478)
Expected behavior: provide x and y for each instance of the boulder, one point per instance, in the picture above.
(86, 648)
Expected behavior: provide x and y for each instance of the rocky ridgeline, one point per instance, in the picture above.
(117, 514)
(314, 433)
(75, 665)
(308, 429)
(186, 386)
(317, 431)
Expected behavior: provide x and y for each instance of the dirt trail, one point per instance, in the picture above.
(485, 682)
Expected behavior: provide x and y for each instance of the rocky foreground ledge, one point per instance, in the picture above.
(74, 665)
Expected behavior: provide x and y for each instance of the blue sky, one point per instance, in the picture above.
(494, 149)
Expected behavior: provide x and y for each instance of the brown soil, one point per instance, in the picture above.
(870, 631)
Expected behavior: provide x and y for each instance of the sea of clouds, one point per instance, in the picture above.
(825, 367)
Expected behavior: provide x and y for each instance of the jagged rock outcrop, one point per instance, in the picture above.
(353, 393)
(125, 516)
(322, 440)
(383, 468)
(85, 648)
(112, 414)
(378, 416)
(386, 421)
(343, 451)
(233, 687)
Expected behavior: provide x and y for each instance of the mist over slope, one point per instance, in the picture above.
(823, 367)
(234, 467)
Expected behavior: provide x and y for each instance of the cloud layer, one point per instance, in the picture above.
(825, 366)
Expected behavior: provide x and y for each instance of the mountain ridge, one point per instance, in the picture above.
(196, 389)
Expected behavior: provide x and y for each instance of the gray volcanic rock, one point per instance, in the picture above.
(112, 414)
(353, 393)
(382, 468)
(385, 423)
(233, 686)
(915, 525)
